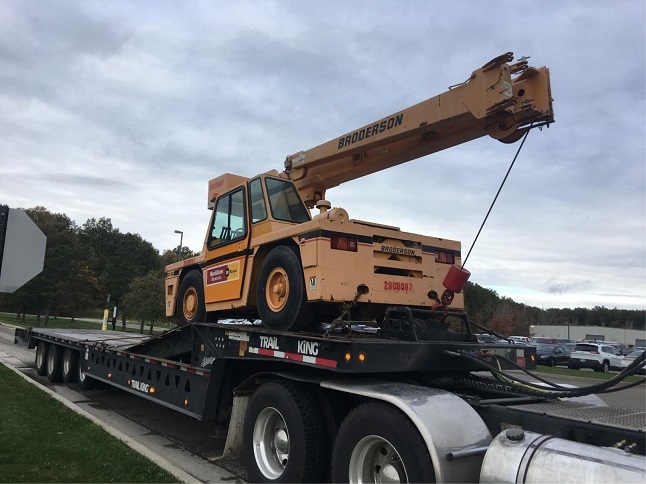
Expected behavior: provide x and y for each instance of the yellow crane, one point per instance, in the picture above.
(265, 256)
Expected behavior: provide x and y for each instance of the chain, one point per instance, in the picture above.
(345, 314)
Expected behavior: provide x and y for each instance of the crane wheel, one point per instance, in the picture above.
(281, 296)
(190, 300)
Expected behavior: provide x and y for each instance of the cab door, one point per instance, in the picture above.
(227, 246)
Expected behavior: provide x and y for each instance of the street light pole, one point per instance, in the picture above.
(179, 249)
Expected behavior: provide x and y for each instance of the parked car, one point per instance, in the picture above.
(622, 348)
(490, 339)
(564, 341)
(630, 357)
(551, 355)
(536, 340)
(569, 347)
(598, 356)
(519, 339)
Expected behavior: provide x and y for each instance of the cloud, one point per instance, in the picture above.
(126, 110)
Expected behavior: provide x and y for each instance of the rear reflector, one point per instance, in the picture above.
(444, 257)
(340, 242)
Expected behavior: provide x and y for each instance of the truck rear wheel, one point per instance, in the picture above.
(282, 301)
(378, 443)
(190, 300)
(85, 382)
(54, 363)
(41, 358)
(283, 435)
(70, 363)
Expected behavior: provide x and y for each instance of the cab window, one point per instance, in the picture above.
(229, 220)
(258, 208)
(284, 201)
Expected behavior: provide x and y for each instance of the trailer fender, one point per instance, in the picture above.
(456, 436)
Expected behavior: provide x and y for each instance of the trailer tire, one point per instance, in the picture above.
(70, 363)
(85, 382)
(284, 437)
(41, 358)
(190, 300)
(280, 294)
(55, 363)
(378, 443)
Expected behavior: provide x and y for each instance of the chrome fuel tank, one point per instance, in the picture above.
(516, 455)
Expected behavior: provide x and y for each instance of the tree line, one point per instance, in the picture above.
(91, 267)
(86, 264)
(505, 316)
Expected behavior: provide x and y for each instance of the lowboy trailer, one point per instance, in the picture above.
(359, 404)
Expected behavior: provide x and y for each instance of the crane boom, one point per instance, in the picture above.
(499, 99)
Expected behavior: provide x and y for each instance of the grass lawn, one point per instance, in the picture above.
(556, 370)
(41, 440)
(66, 323)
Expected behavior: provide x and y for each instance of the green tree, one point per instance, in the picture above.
(144, 300)
(117, 259)
(169, 256)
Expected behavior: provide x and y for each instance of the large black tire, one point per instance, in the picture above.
(284, 437)
(280, 294)
(378, 443)
(605, 367)
(190, 300)
(41, 358)
(85, 382)
(54, 363)
(552, 362)
(69, 369)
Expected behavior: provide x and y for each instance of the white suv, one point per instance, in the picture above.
(598, 356)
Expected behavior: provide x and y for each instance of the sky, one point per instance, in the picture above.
(126, 110)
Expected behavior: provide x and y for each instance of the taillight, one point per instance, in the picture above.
(340, 242)
(444, 257)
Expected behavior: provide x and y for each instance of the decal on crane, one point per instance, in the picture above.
(398, 250)
(368, 131)
(225, 273)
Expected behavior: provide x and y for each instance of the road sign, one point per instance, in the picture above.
(22, 249)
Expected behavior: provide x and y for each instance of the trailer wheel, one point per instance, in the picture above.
(70, 363)
(281, 296)
(284, 437)
(54, 363)
(85, 382)
(190, 300)
(378, 443)
(41, 358)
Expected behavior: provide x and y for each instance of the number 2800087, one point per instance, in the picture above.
(398, 286)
